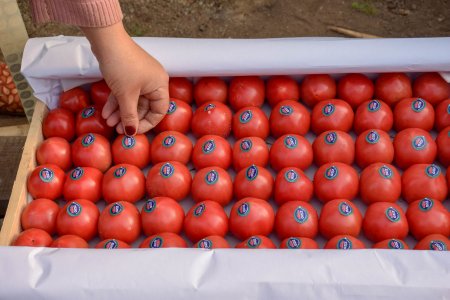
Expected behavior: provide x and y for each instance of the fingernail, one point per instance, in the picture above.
(130, 130)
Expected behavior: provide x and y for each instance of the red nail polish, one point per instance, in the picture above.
(130, 130)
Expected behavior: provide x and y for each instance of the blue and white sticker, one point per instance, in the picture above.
(111, 244)
(116, 209)
(253, 242)
(208, 146)
(73, 209)
(88, 112)
(448, 109)
(374, 106)
(199, 210)
(169, 141)
(209, 107)
(128, 142)
(156, 242)
(395, 244)
(437, 245)
(372, 137)
(433, 171)
(286, 110)
(426, 204)
(88, 139)
(77, 173)
(301, 215)
(385, 172)
(46, 174)
(331, 172)
(345, 209)
(167, 170)
(331, 138)
(290, 142)
(344, 244)
(149, 205)
(205, 244)
(245, 116)
(120, 171)
(252, 172)
(418, 105)
(291, 176)
(419, 142)
(392, 214)
(294, 243)
(246, 145)
(172, 107)
(211, 177)
(328, 110)
(243, 209)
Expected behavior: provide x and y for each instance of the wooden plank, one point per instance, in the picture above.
(7, 120)
(15, 130)
(353, 33)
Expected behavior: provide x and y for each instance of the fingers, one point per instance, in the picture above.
(159, 103)
(110, 107)
(128, 112)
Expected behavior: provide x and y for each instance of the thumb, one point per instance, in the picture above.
(128, 112)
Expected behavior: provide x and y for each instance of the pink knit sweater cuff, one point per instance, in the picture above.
(83, 13)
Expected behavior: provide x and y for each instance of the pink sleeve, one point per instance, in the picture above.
(84, 13)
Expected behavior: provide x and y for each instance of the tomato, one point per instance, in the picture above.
(212, 118)
(340, 217)
(212, 242)
(92, 150)
(423, 180)
(432, 87)
(90, 120)
(385, 220)
(373, 146)
(289, 116)
(100, 93)
(169, 179)
(373, 114)
(335, 181)
(171, 145)
(380, 182)
(83, 183)
(413, 113)
(443, 146)
(393, 87)
(333, 146)
(246, 91)
(291, 151)
(344, 242)
(164, 240)
(257, 242)
(298, 243)
(120, 220)
(254, 181)
(393, 244)
(212, 183)
(442, 115)
(54, 150)
(292, 184)
(40, 213)
(211, 150)
(251, 216)
(355, 89)
(426, 217)
(279, 88)
(296, 218)
(133, 150)
(59, 122)
(74, 100)
(161, 214)
(434, 242)
(181, 88)
(210, 89)
(178, 117)
(112, 244)
(46, 181)
(79, 218)
(414, 146)
(250, 151)
(123, 182)
(33, 237)
(316, 88)
(69, 241)
(333, 114)
(250, 121)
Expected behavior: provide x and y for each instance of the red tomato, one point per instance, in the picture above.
(40, 213)
(59, 122)
(373, 114)
(257, 242)
(423, 180)
(212, 242)
(279, 88)
(211, 150)
(123, 182)
(69, 241)
(355, 89)
(340, 217)
(316, 88)
(178, 117)
(385, 220)
(335, 181)
(254, 182)
(431, 86)
(373, 146)
(414, 146)
(443, 146)
(333, 146)
(291, 151)
(164, 240)
(333, 114)
(212, 118)
(171, 145)
(169, 179)
(393, 244)
(289, 116)
(413, 113)
(100, 93)
(380, 182)
(79, 218)
(246, 91)
(83, 183)
(392, 87)
(120, 220)
(292, 184)
(442, 115)
(112, 244)
(427, 217)
(296, 218)
(448, 177)
(434, 242)
(251, 216)
(133, 150)
(46, 181)
(209, 89)
(90, 120)
(161, 214)
(74, 99)
(92, 150)
(212, 183)
(250, 121)
(33, 237)
(344, 242)
(250, 151)
(298, 243)
(181, 88)
(54, 150)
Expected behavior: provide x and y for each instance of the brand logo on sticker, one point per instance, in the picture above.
(286, 110)
(208, 146)
(245, 116)
(300, 215)
(331, 173)
(385, 172)
(372, 137)
(87, 112)
(291, 176)
(166, 170)
(243, 209)
(290, 142)
(111, 244)
(246, 145)
(331, 138)
(328, 109)
(204, 244)
(344, 244)
(199, 210)
(294, 243)
(418, 105)
(433, 171)
(395, 244)
(74, 209)
(168, 141)
(172, 107)
(211, 177)
(128, 142)
(426, 204)
(46, 175)
(150, 205)
(77, 173)
(209, 107)
(392, 214)
(448, 109)
(156, 242)
(116, 209)
(345, 209)
(88, 139)
(253, 242)
(419, 142)
(119, 172)
(374, 105)
(252, 172)
(438, 246)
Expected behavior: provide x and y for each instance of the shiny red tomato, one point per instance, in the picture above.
(316, 88)
(83, 183)
(413, 113)
(251, 216)
(442, 115)
(434, 242)
(374, 146)
(250, 121)
(344, 242)
(250, 151)
(123, 182)
(74, 100)
(161, 214)
(432, 87)
(33, 237)
(426, 217)
(120, 220)
(424, 180)
(380, 182)
(79, 218)
(181, 88)
(373, 114)
(212, 118)
(393, 244)
(414, 146)
(212, 183)
(40, 213)
(385, 220)
(90, 120)
(178, 117)
(289, 116)
(254, 181)
(279, 88)
(296, 218)
(333, 146)
(69, 241)
(298, 243)
(171, 145)
(443, 146)
(54, 150)
(355, 89)
(112, 244)
(393, 87)
(335, 181)
(46, 181)
(340, 217)
(100, 93)
(164, 240)
(169, 179)
(59, 122)
(212, 242)
(292, 184)
(92, 150)
(209, 89)
(133, 150)
(246, 91)
(291, 150)
(333, 114)
(211, 150)
(257, 242)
